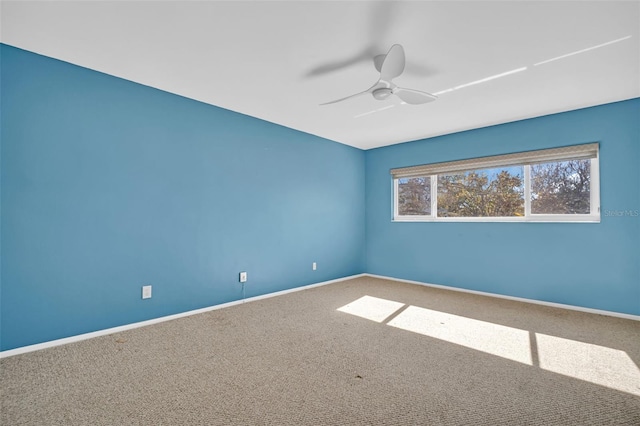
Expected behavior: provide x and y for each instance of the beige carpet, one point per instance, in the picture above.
(330, 356)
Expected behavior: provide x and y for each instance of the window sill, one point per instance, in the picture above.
(527, 219)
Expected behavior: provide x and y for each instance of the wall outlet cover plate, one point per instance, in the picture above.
(146, 292)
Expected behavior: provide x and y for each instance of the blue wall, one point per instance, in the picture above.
(583, 264)
(108, 185)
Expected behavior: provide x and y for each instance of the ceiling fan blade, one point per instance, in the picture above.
(393, 64)
(414, 97)
(377, 62)
(369, 90)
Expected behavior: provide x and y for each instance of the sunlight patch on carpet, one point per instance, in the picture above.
(371, 308)
(495, 339)
(601, 365)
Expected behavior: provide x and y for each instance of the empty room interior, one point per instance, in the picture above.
(319, 213)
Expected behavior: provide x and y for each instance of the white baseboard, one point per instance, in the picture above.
(104, 332)
(517, 299)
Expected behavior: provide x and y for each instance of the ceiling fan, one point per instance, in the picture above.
(391, 66)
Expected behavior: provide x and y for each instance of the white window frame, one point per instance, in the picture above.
(594, 187)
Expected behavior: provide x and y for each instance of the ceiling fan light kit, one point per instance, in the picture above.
(391, 66)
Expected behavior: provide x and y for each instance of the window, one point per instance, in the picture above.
(497, 192)
(561, 187)
(414, 196)
(552, 185)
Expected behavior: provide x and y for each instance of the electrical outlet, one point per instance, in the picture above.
(243, 277)
(314, 266)
(146, 292)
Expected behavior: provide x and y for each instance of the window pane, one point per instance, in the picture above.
(561, 187)
(414, 196)
(497, 192)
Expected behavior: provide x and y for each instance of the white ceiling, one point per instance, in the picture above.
(279, 60)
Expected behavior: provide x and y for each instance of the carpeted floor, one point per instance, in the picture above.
(329, 356)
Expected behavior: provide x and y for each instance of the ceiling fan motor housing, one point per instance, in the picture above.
(382, 94)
